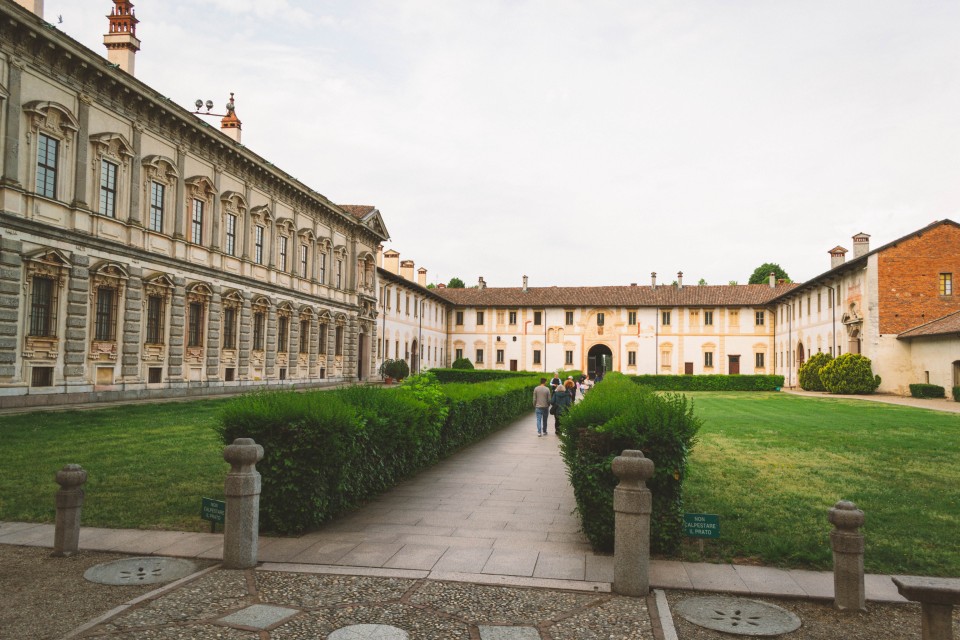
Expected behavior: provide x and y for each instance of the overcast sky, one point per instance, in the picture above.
(585, 143)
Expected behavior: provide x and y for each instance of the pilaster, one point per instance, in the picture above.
(214, 343)
(11, 275)
(11, 147)
(78, 311)
(270, 350)
(82, 154)
(246, 338)
(177, 326)
(132, 321)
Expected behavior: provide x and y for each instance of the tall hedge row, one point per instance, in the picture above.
(710, 382)
(618, 414)
(446, 376)
(327, 451)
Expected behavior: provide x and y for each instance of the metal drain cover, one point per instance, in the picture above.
(738, 616)
(149, 570)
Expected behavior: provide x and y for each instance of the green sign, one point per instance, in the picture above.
(702, 525)
(213, 510)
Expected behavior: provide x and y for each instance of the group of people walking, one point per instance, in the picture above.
(555, 399)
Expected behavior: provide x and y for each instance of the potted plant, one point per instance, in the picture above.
(386, 370)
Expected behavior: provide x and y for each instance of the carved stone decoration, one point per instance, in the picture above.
(45, 263)
(197, 293)
(52, 118)
(158, 285)
(284, 314)
(106, 275)
(229, 354)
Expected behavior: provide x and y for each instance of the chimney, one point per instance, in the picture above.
(524, 284)
(230, 124)
(380, 256)
(422, 276)
(633, 284)
(440, 285)
(121, 41)
(679, 279)
(861, 244)
(391, 261)
(33, 6)
(481, 284)
(773, 279)
(837, 256)
(653, 279)
(406, 270)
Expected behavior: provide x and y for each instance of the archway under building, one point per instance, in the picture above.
(599, 360)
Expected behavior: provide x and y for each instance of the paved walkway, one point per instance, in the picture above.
(934, 404)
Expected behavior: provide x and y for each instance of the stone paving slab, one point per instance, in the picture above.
(463, 560)
(669, 574)
(816, 584)
(768, 581)
(416, 556)
(511, 562)
(716, 577)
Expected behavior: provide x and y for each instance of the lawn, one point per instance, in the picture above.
(771, 465)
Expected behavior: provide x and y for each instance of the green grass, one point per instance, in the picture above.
(771, 465)
(148, 465)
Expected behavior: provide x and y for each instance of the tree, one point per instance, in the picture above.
(431, 286)
(455, 283)
(702, 282)
(761, 274)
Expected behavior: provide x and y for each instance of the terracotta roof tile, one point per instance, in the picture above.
(946, 325)
(358, 211)
(621, 296)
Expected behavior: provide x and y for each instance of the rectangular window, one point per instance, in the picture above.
(155, 315)
(416, 311)
(259, 320)
(479, 318)
(407, 302)
(323, 270)
(459, 319)
(536, 356)
(808, 306)
(229, 328)
(338, 344)
(195, 328)
(537, 317)
(157, 192)
(340, 277)
(946, 284)
(631, 318)
(568, 318)
(303, 260)
(322, 337)
(47, 152)
(108, 188)
(708, 317)
(708, 360)
(568, 357)
(283, 252)
(258, 244)
(43, 308)
(665, 318)
(196, 222)
(458, 354)
(819, 300)
(283, 334)
(231, 244)
(632, 358)
(106, 321)
(759, 318)
(41, 377)
(304, 336)
(759, 357)
(513, 317)
(499, 356)
(600, 319)
(479, 359)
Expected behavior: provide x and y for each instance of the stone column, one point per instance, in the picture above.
(246, 338)
(314, 347)
(293, 353)
(214, 339)
(847, 543)
(11, 331)
(82, 154)
(135, 169)
(242, 491)
(177, 322)
(78, 307)
(632, 504)
(179, 204)
(11, 146)
(215, 213)
(270, 346)
(132, 323)
(66, 537)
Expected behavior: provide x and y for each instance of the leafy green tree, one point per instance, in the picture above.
(761, 274)
(702, 282)
(810, 372)
(455, 283)
(849, 373)
(462, 363)
(431, 286)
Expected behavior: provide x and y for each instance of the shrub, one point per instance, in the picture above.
(956, 394)
(849, 373)
(400, 369)
(710, 382)
(479, 375)
(928, 391)
(618, 415)
(462, 363)
(810, 372)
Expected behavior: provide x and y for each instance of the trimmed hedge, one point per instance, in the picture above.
(327, 451)
(849, 373)
(446, 376)
(921, 390)
(809, 374)
(462, 363)
(710, 382)
(618, 414)
(956, 394)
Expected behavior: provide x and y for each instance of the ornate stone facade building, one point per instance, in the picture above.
(143, 252)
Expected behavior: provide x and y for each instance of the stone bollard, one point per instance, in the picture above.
(66, 536)
(632, 504)
(242, 491)
(847, 543)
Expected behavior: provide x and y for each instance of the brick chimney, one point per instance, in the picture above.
(121, 41)
(230, 124)
(481, 284)
(33, 6)
(422, 276)
(861, 244)
(679, 279)
(380, 255)
(524, 284)
(653, 279)
(391, 261)
(406, 270)
(838, 255)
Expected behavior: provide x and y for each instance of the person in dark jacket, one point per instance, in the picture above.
(559, 404)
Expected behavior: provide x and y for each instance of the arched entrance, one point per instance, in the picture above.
(414, 358)
(801, 356)
(599, 360)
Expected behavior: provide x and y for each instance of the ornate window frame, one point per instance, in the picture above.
(261, 305)
(306, 239)
(285, 236)
(44, 263)
(324, 246)
(232, 203)
(232, 300)
(106, 275)
(114, 148)
(196, 293)
(58, 122)
(201, 189)
(163, 171)
(158, 285)
(260, 216)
